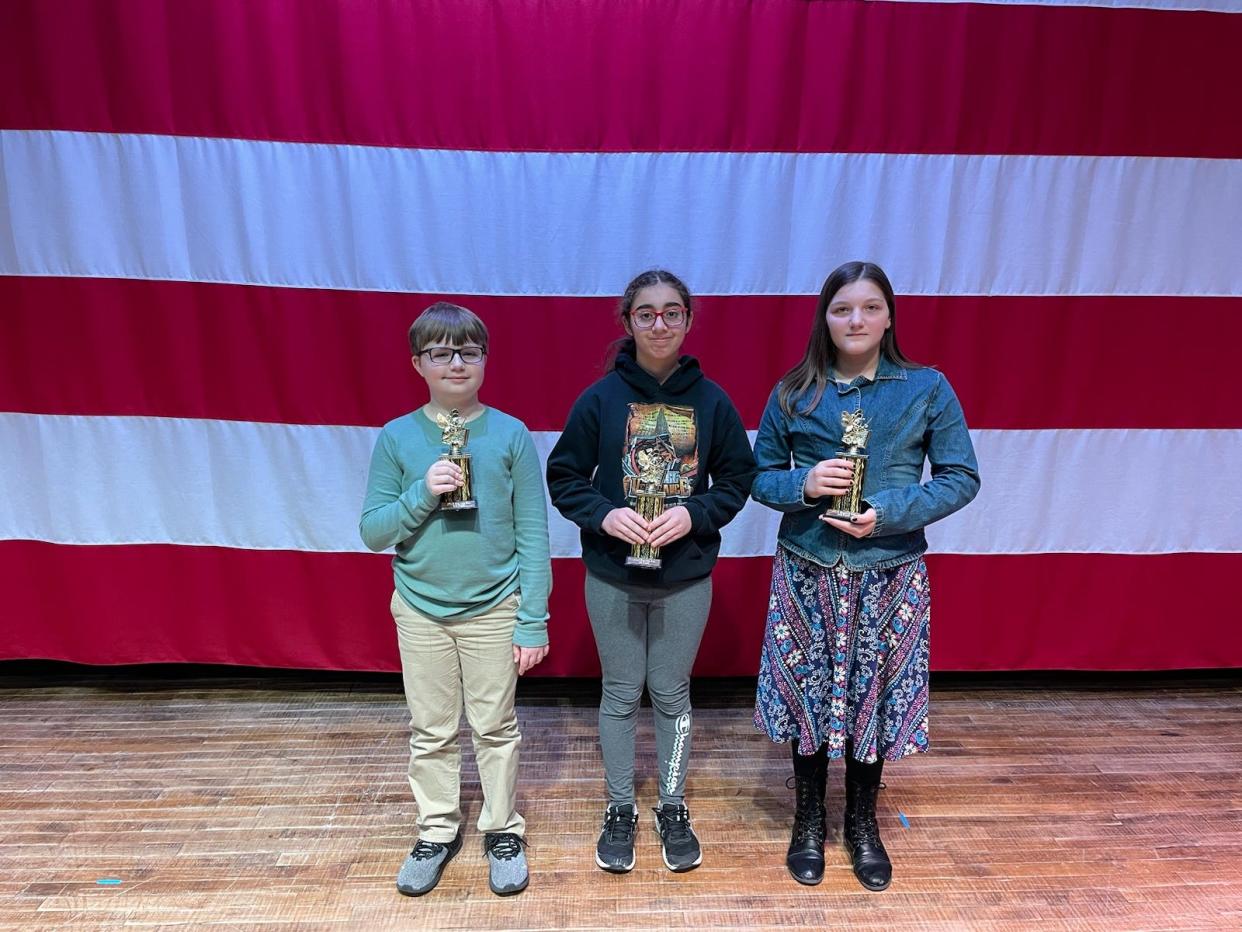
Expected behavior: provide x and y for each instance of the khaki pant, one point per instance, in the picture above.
(443, 663)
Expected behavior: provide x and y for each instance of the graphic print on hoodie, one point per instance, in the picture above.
(661, 451)
(683, 434)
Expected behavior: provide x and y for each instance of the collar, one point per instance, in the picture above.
(885, 370)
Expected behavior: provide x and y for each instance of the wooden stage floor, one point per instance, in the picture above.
(246, 800)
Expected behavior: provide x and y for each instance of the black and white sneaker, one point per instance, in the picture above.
(677, 838)
(614, 851)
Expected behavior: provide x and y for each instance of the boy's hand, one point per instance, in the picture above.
(669, 526)
(527, 657)
(858, 526)
(443, 476)
(828, 477)
(626, 524)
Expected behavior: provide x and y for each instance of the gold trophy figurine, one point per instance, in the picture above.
(648, 502)
(855, 438)
(454, 433)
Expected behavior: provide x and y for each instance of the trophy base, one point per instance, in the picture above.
(644, 563)
(843, 515)
(460, 506)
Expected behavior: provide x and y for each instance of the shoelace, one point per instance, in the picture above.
(618, 827)
(425, 850)
(866, 826)
(504, 846)
(675, 824)
(809, 811)
(807, 799)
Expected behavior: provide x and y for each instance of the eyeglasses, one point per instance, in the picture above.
(673, 317)
(443, 355)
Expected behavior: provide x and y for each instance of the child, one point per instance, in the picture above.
(653, 422)
(471, 599)
(844, 665)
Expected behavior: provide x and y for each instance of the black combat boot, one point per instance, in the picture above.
(862, 832)
(805, 858)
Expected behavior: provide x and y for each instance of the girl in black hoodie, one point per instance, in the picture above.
(653, 422)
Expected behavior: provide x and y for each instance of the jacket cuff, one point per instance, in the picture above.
(879, 517)
(797, 495)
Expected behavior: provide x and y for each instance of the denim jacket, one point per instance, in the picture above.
(913, 414)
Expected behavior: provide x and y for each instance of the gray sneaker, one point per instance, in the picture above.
(506, 863)
(422, 869)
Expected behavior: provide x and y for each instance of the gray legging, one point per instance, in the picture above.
(646, 634)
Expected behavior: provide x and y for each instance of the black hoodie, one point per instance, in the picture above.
(628, 424)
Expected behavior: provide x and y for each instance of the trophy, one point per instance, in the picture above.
(648, 502)
(652, 459)
(454, 433)
(854, 437)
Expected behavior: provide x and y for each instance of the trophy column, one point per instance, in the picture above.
(454, 433)
(855, 438)
(648, 502)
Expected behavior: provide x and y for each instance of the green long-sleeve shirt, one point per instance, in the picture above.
(457, 564)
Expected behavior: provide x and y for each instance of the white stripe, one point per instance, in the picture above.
(82, 204)
(112, 480)
(1184, 6)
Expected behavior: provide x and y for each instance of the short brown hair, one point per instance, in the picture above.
(447, 323)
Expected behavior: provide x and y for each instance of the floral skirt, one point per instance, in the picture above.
(845, 657)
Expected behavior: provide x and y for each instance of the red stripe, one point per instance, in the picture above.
(156, 604)
(658, 75)
(176, 349)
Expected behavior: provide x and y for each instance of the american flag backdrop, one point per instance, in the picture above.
(218, 217)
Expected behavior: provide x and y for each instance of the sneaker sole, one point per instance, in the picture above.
(514, 892)
(613, 868)
(682, 868)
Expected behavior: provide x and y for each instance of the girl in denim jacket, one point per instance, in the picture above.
(843, 671)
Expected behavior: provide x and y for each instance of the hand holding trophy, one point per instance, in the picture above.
(649, 502)
(454, 433)
(854, 437)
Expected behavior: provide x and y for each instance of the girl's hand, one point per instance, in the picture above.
(626, 524)
(527, 657)
(669, 526)
(443, 476)
(859, 526)
(828, 477)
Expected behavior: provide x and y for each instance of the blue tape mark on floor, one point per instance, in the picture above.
(108, 881)
(905, 823)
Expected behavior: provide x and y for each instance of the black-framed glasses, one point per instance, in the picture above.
(673, 317)
(443, 355)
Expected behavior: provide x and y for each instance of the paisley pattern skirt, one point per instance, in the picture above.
(845, 657)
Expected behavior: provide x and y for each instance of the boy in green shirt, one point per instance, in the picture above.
(471, 596)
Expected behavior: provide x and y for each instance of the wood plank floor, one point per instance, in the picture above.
(280, 801)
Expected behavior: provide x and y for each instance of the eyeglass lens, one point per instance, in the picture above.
(443, 355)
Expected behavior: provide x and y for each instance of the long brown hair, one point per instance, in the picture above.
(809, 378)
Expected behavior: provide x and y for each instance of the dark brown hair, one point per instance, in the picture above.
(643, 280)
(808, 379)
(446, 323)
